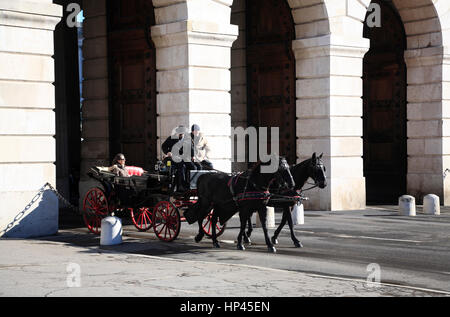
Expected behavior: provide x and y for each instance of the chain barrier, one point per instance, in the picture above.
(34, 200)
(61, 198)
(445, 172)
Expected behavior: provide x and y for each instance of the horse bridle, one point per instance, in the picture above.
(319, 165)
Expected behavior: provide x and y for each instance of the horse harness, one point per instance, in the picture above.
(248, 195)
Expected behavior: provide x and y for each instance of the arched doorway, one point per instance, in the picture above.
(384, 113)
(132, 81)
(271, 71)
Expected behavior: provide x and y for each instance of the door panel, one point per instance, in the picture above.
(384, 115)
(132, 81)
(271, 71)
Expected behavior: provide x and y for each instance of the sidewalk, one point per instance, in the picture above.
(56, 266)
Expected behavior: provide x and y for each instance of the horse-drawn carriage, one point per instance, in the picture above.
(149, 197)
(152, 202)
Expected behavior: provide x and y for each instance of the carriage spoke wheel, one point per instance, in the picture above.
(95, 208)
(166, 221)
(142, 218)
(207, 226)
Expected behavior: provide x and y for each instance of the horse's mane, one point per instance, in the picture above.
(300, 179)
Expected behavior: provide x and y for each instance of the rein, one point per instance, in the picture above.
(314, 186)
(262, 194)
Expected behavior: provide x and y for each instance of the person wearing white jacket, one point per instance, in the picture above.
(200, 147)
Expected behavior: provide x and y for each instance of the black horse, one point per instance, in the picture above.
(244, 193)
(311, 168)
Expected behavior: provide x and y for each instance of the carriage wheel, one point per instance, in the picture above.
(95, 207)
(166, 221)
(207, 226)
(142, 218)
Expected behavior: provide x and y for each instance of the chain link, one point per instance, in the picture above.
(61, 198)
(445, 172)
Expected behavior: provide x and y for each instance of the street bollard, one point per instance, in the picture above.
(431, 205)
(270, 218)
(111, 231)
(298, 214)
(407, 205)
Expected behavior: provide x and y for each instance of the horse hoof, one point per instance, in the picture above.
(216, 245)
(272, 250)
(298, 244)
(240, 247)
(247, 240)
(198, 238)
(274, 240)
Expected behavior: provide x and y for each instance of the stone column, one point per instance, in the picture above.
(193, 44)
(95, 118)
(239, 75)
(329, 111)
(27, 119)
(428, 122)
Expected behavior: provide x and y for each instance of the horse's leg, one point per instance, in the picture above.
(243, 218)
(200, 207)
(250, 226)
(213, 232)
(249, 231)
(282, 223)
(287, 211)
(262, 216)
(201, 233)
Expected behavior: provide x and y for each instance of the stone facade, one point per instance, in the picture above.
(27, 120)
(201, 78)
(193, 40)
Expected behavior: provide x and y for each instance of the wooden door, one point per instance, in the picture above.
(384, 114)
(271, 71)
(132, 81)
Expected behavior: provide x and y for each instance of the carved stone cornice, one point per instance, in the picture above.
(29, 14)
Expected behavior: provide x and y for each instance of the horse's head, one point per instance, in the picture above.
(316, 171)
(282, 176)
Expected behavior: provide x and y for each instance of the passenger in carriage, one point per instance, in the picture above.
(118, 166)
(173, 149)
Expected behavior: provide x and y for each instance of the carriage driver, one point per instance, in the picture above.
(173, 149)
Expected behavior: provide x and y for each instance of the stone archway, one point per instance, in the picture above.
(426, 133)
(309, 19)
(270, 61)
(132, 77)
(330, 108)
(384, 108)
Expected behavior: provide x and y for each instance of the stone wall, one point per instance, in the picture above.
(27, 120)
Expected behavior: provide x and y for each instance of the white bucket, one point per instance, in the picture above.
(111, 232)
(298, 214)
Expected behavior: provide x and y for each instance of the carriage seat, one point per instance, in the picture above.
(134, 170)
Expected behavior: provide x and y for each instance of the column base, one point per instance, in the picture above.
(340, 194)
